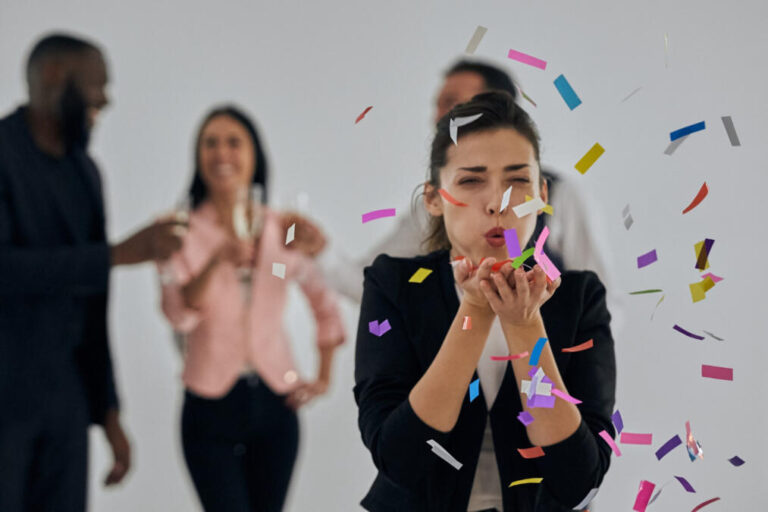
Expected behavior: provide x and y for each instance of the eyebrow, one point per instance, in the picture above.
(482, 168)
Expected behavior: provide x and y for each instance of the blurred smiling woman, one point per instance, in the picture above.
(412, 382)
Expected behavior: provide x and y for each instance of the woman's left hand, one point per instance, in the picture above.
(516, 296)
(306, 392)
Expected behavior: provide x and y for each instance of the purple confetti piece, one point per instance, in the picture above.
(736, 461)
(547, 402)
(646, 259)
(378, 329)
(687, 333)
(617, 421)
(701, 260)
(547, 380)
(378, 214)
(525, 418)
(667, 447)
(686, 485)
(513, 244)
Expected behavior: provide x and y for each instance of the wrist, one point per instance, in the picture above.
(475, 310)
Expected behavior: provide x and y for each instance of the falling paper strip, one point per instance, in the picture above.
(278, 270)
(443, 454)
(608, 439)
(703, 249)
(509, 358)
(566, 91)
(714, 278)
(646, 259)
(525, 418)
(536, 353)
(541, 240)
(716, 372)
(659, 491)
(546, 264)
(497, 266)
(674, 145)
(378, 329)
(448, 197)
(420, 275)
(628, 221)
(565, 396)
(361, 116)
(527, 59)
(617, 421)
(642, 292)
(517, 262)
(476, 38)
(513, 244)
(378, 214)
(527, 97)
(542, 388)
(703, 191)
(474, 389)
(687, 130)
(687, 333)
(667, 447)
(589, 158)
(731, 131)
(686, 485)
(529, 207)
(704, 504)
(586, 501)
(457, 123)
(531, 453)
(700, 288)
(505, 199)
(657, 306)
(736, 461)
(526, 481)
(629, 438)
(713, 336)
(547, 207)
(467, 325)
(289, 236)
(631, 94)
(544, 401)
(578, 348)
(643, 495)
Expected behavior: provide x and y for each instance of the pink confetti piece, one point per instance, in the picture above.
(549, 268)
(716, 372)
(467, 325)
(527, 59)
(643, 495)
(630, 438)
(704, 504)
(509, 358)
(608, 439)
(378, 214)
(565, 396)
(712, 276)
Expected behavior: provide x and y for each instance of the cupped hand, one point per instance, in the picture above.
(468, 276)
(516, 296)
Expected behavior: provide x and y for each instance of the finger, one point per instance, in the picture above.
(539, 282)
(521, 285)
(491, 296)
(461, 270)
(505, 292)
(484, 271)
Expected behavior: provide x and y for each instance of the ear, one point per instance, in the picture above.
(432, 200)
(543, 193)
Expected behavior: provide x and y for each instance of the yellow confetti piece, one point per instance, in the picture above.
(707, 284)
(526, 481)
(699, 290)
(420, 275)
(590, 158)
(547, 209)
(698, 246)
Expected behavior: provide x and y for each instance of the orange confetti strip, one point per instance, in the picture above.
(361, 116)
(531, 453)
(703, 191)
(448, 197)
(579, 348)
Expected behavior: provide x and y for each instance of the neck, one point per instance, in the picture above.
(45, 130)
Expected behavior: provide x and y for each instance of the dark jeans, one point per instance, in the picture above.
(240, 449)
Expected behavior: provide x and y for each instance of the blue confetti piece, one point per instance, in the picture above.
(682, 132)
(474, 389)
(536, 354)
(566, 91)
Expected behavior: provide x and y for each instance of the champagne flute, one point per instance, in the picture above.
(248, 221)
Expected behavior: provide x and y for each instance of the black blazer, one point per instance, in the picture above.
(53, 285)
(411, 477)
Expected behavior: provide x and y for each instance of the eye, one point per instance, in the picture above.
(234, 142)
(209, 143)
(468, 181)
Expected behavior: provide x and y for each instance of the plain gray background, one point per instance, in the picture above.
(306, 70)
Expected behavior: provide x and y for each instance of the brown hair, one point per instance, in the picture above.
(498, 110)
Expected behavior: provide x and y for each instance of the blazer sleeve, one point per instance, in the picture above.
(174, 274)
(576, 465)
(323, 302)
(67, 270)
(386, 369)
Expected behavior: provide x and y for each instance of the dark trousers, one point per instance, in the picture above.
(44, 458)
(240, 449)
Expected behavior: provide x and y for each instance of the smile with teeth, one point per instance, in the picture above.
(224, 169)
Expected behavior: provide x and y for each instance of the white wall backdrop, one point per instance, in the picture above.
(306, 70)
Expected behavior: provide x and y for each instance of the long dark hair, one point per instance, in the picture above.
(198, 191)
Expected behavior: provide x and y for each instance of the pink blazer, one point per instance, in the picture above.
(224, 336)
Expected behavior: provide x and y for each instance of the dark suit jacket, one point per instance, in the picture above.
(411, 477)
(53, 285)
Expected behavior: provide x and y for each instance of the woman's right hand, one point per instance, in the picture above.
(468, 276)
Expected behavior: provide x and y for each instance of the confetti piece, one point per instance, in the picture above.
(517, 262)
(361, 116)
(475, 40)
(731, 131)
(509, 358)
(687, 130)
(549, 268)
(608, 439)
(527, 97)
(642, 292)
(703, 249)
(542, 388)
(378, 329)
(704, 504)
(629, 438)
(703, 191)
(586, 501)
(659, 492)
(378, 214)
(497, 266)
(534, 360)
(666, 50)
(543, 401)
(505, 199)
(289, 236)
(736, 461)
(674, 145)
(529, 207)
(526, 481)
(657, 306)
(699, 289)
(527, 59)
(467, 325)
(628, 222)
(443, 454)
(631, 94)
(547, 207)
(617, 421)
(667, 447)
(513, 244)
(589, 158)
(712, 276)
(566, 91)
(565, 396)
(713, 336)
(643, 495)
(458, 122)
(646, 259)
(539, 245)
(474, 389)
(686, 485)
(687, 333)
(278, 270)
(693, 446)
(531, 453)
(420, 275)
(525, 418)
(583, 346)
(448, 197)
(716, 372)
